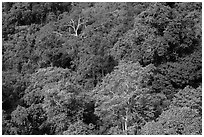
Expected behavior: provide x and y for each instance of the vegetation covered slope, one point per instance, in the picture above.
(101, 68)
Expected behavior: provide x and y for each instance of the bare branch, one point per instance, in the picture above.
(72, 21)
(75, 28)
(70, 26)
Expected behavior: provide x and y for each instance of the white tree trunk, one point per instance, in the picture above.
(126, 121)
(75, 25)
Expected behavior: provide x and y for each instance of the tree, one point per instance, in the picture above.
(180, 75)
(28, 120)
(13, 86)
(189, 97)
(123, 99)
(74, 22)
(51, 48)
(101, 68)
(79, 128)
(59, 96)
(63, 105)
(175, 121)
(155, 38)
(32, 101)
(34, 93)
(144, 43)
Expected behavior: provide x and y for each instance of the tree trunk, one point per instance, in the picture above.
(126, 121)
(76, 32)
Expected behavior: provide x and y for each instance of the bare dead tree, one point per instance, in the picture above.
(75, 25)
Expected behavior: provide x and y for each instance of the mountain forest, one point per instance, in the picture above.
(101, 68)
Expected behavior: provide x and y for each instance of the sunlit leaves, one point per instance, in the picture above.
(127, 67)
(189, 97)
(120, 92)
(175, 121)
(41, 78)
(79, 128)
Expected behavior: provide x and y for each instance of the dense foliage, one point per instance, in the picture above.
(96, 68)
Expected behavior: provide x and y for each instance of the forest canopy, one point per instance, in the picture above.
(101, 68)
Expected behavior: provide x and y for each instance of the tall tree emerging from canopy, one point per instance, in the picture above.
(123, 99)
